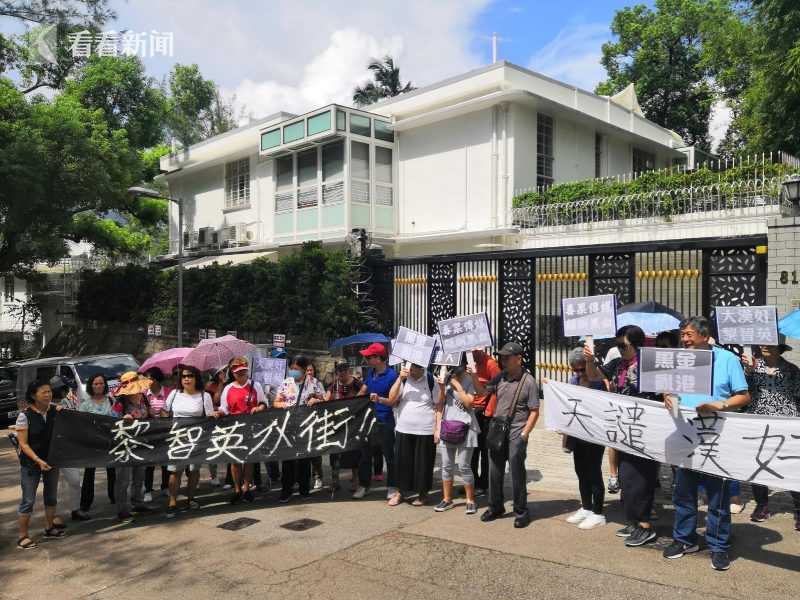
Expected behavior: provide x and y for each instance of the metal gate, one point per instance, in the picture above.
(521, 291)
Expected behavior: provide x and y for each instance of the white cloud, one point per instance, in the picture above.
(720, 120)
(292, 56)
(574, 55)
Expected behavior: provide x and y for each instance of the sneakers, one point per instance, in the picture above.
(640, 536)
(148, 497)
(360, 492)
(625, 531)
(678, 549)
(490, 515)
(284, 499)
(443, 506)
(736, 508)
(720, 561)
(613, 485)
(592, 521)
(317, 483)
(472, 508)
(760, 514)
(578, 516)
(521, 521)
(172, 512)
(192, 504)
(227, 487)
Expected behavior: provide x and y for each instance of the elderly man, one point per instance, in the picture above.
(729, 392)
(518, 407)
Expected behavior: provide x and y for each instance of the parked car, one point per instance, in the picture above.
(8, 392)
(74, 370)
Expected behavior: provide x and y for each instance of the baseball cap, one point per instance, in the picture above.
(511, 349)
(374, 349)
(239, 364)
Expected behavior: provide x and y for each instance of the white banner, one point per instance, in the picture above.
(751, 448)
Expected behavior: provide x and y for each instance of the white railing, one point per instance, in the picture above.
(760, 196)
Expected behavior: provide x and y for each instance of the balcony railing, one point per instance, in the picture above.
(725, 199)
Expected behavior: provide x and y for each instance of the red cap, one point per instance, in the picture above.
(373, 349)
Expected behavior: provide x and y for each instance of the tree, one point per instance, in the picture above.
(197, 109)
(387, 83)
(663, 53)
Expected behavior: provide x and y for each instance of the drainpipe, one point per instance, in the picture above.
(494, 171)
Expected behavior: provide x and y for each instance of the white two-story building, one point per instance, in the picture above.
(433, 171)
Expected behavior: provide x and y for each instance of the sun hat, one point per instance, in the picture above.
(131, 383)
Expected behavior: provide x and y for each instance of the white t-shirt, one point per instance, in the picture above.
(415, 413)
(189, 405)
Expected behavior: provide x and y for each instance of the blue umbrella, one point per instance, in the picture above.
(360, 338)
(652, 317)
(790, 324)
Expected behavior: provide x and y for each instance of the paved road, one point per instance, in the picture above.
(363, 549)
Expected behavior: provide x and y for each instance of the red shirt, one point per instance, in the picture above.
(487, 370)
(238, 399)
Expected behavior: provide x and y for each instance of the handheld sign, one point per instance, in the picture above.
(590, 316)
(413, 347)
(675, 371)
(463, 334)
(747, 325)
(393, 360)
(269, 371)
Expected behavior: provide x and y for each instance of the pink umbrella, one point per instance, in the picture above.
(166, 360)
(215, 353)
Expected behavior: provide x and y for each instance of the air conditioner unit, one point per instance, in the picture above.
(243, 234)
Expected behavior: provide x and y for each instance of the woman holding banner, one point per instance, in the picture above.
(587, 457)
(638, 475)
(345, 386)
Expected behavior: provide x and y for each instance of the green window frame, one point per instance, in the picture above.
(360, 125)
(383, 131)
(293, 132)
(270, 139)
(318, 123)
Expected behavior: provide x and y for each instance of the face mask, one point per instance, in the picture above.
(295, 374)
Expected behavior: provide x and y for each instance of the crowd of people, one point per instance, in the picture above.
(477, 417)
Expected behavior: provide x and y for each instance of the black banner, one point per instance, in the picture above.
(86, 440)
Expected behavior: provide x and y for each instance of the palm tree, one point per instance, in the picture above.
(387, 83)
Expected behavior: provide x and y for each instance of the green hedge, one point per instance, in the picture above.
(652, 181)
(306, 295)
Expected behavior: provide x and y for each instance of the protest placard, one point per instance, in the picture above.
(269, 371)
(465, 333)
(594, 316)
(675, 370)
(747, 325)
(413, 347)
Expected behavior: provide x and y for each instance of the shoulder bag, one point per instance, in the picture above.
(500, 427)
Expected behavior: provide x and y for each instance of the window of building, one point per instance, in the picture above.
(359, 171)
(643, 161)
(360, 125)
(598, 155)
(237, 183)
(270, 139)
(333, 173)
(9, 288)
(319, 123)
(307, 178)
(341, 120)
(293, 132)
(284, 183)
(383, 131)
(383, 176)
(544, 150)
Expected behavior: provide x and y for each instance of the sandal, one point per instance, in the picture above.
(53, 532)
(395, 500)
(26, 543)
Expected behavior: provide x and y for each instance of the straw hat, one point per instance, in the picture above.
(131, 383)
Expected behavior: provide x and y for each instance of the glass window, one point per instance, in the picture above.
(359, 160)
(383, 132)
(307, 168)
(319, 123)
(283, 172)
(332, 161)
(237, 183)
(341, 120)
(270, 139)
(359, 125)
(643, 161)
(544, 150)
(112, 368)
(383, 164)
(293, 132)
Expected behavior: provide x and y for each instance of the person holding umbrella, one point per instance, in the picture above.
(243, 396)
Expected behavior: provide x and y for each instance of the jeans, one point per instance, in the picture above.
(128, 477)
(382, 438)
(457, 455)
(480, 457)
(718, 521)
(588, 460)
(87, 488)
(29, 482)
(514, 451)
